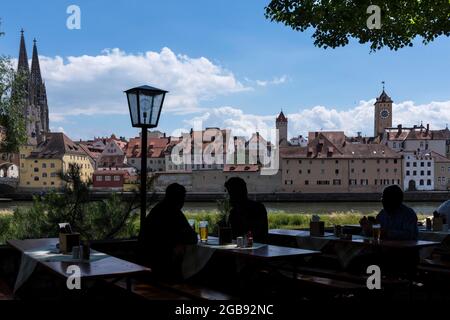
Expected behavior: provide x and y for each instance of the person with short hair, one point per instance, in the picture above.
(166, 232)
(246, 215)
(398, 221)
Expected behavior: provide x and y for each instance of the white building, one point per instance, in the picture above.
(418, 171)
(299, 141)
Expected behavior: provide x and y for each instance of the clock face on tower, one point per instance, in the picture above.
(384, 113)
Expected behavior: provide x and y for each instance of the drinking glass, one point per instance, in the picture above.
(192, 223)
(376, 228)
(203, 230)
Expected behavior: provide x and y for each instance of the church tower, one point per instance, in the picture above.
(35, 108)
(383, 113)
(281, 125)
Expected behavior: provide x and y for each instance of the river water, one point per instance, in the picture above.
(288, 207)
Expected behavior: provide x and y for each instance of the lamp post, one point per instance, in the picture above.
(145, 104)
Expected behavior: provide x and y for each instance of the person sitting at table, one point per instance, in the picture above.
(166, 232)
(246, 215)
(398, 222)
(444, 211)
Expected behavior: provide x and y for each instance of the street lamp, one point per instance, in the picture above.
(145, 104)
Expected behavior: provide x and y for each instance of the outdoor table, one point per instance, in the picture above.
(345, 249)
(44, 252)
(197, 256)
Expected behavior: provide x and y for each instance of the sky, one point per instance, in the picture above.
(223, 63)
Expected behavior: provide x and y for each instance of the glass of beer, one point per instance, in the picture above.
(203, 230)
(192, 223)
(376, 228)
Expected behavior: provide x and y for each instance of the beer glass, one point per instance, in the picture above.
(376, 228)
(192, 223)
(203, 230)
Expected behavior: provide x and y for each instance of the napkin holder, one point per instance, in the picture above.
(438, 224)
(67, 241)
(317, 228)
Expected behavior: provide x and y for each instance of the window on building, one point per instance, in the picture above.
(387, 170)
(428, 182)
(378, 170)
(299, 171)
(52, 183)
(363, 170)
(36, 169)
(422, 164)
(44, 165)
(52, 165)
(44, 175)
(306, 182)
(414, 173)
(429, 172)
(352, 182)
(107, 178)
(309, 171)
(421, 182)
(407, 164)
(116, 178)
(337, 161)
(322, 171)
(422, 173)
(36, 178)
(322, 182)
(376, 181)
(352, 170)
(395, 161)
(336, 171)
(395, 144)
(299, 161)
(429, 164)
(414, 164)
(387, 161)
(336, 182)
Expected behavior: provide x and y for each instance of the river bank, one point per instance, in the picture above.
(416, 196)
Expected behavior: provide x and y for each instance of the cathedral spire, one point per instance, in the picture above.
(36, 79)
(22, 66)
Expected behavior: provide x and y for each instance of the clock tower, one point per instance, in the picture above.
(383, 113)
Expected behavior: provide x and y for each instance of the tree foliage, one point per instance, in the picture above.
(335, 22)
(12, 92)
(95, 220)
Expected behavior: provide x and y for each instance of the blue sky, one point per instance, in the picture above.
(244, 68)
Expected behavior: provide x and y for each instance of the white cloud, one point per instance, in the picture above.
(353, 120)
(274, 81)
(87, 85)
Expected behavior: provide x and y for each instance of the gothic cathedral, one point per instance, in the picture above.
(35, 106)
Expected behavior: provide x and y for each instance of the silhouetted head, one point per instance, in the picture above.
(175, 194)
(392, 197)
(237, 189)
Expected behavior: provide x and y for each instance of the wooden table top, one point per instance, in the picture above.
(104, 268)
(395, 244)
(267, 252)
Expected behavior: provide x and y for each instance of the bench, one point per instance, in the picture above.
(5, 291)
(319, 282)
(157, 290)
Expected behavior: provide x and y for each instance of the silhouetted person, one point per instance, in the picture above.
(166, 232)
(398, 222)
(444, 211)
(246, 215)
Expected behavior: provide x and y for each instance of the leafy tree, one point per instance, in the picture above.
(12, 93)
(335, 22)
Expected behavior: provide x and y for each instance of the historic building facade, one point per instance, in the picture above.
(40, 166)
